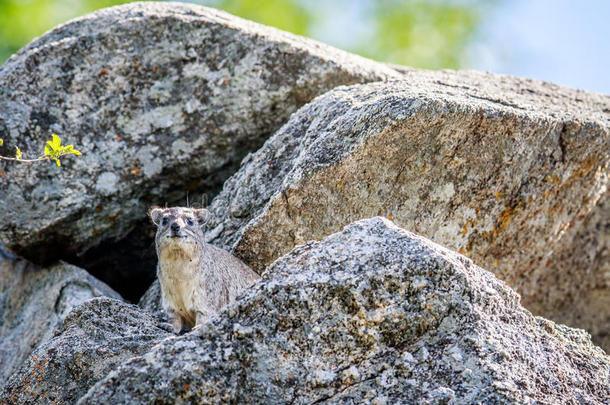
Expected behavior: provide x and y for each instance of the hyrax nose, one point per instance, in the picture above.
(175, 227)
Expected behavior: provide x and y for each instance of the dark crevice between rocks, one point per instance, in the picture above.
(127, 265)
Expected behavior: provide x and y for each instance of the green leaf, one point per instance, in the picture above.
(56, 140)
(18, 154)
(47, 150)
(57, 161)
(54, 143)
(1, 142)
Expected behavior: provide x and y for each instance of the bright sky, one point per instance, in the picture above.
(562, 41)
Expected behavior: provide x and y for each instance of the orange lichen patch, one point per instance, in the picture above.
(581, 171)
(94, 232)
(465, 229)
(118, 138)
(499, 195)
(470, 223)
(186, 387)
(553, 179)
(504, 219)
(340, 185)
(37, 374)
(585, 166)
(135, 62)
(423, 169)
(155, 69)
(103, 72)
(462, 251)
(390, 216)
(135, 171)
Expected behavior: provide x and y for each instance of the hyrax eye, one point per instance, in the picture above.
(190, 222)
(164, 221)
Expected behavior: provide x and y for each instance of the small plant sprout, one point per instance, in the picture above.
(53, 150)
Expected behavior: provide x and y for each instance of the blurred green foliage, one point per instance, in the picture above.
(23, 20)
(431, 35)
(428, 34)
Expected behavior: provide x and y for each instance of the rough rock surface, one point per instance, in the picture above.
(34, 302)
(93, 340)
(162, 99)
(504, 170)
(580, 274)
(371, 314)
(151, 301)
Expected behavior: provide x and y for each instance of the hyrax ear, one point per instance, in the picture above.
(202, 215)
(155, 215)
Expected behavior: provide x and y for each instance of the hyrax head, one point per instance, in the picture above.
(178, 228)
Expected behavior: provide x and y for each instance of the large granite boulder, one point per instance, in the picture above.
(33, 304)
(511, 172)
(163, 99)
(372, 314)
(94, 339)
(579, 270)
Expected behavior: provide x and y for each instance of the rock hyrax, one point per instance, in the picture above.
(197, 279)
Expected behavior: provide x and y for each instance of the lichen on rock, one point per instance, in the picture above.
(94, 339)
(162, 99)
(479, 163)
(372, 313)
(169, 98)
(34, 302)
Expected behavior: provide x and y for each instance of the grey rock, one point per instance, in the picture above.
(373, 314)
(151, 301)
(33, 303)
(580, 270)
(93, 340)
(162, 99)
(502, 169)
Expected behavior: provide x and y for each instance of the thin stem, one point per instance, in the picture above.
(40, 159)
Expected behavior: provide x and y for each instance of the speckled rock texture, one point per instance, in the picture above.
(92, 341)
(373, 314)
(169, 98)
(151, 301)
(581, 276)
(34, 302)
(162, 99)
(511, 172)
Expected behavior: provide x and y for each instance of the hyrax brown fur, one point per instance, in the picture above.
(197, 279)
